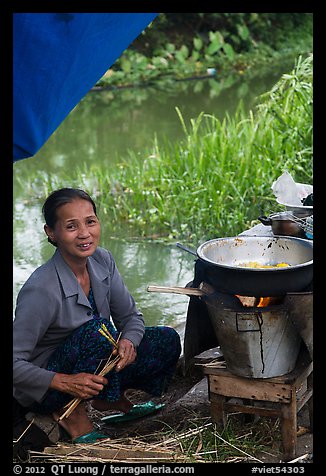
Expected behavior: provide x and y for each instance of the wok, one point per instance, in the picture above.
(224, 262)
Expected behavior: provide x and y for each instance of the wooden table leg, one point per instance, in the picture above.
(310, 401)
(289, 428)
(217, 409)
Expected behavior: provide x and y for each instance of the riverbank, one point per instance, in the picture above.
(220, 172)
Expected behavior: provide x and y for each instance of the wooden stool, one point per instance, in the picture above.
(283, 393)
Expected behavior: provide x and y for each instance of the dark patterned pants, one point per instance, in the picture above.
(86, 348)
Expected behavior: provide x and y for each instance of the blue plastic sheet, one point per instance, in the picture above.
(57, 59)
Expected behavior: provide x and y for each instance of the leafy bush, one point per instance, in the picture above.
(187, 44)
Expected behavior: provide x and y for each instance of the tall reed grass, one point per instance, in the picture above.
(217, 180)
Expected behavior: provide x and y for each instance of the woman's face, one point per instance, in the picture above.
(77, 230)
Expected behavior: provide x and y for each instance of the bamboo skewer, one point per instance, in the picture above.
(109, 365)
(203, 289)
(176, 290)
(104, 331)
(23, 433)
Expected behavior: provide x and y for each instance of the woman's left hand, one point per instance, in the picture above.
(127, 353)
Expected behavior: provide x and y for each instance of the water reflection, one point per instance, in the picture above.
(27, 239)
(144, 264)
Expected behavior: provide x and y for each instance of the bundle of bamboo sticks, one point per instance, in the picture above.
(108, 366)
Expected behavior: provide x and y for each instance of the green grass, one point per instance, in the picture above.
(217, 180)
(214, 181)
(202, 441)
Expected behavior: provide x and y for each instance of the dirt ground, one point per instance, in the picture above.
(187, 406)
(187, 399)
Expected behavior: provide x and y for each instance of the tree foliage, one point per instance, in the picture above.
(240, 30)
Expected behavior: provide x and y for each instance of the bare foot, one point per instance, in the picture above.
(123, 405)
(77, 423)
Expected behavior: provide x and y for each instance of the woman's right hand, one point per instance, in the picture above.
(82, 385)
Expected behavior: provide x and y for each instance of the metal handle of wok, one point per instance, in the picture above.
(265, 220)
(179, 245)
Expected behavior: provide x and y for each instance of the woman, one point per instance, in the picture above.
(60, 310)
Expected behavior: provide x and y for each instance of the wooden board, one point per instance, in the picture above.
(241, 387)
(110, 452)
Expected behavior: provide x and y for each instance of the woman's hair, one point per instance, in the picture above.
(58, 198)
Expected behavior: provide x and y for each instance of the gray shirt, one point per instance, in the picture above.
(51, 305)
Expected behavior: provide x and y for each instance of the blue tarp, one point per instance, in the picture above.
(57, 59)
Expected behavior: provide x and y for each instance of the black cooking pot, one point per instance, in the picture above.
(226, 261)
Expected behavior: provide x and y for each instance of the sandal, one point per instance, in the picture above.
(137, 411)
(90, 437)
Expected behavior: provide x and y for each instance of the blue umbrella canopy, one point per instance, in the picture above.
(57, 59)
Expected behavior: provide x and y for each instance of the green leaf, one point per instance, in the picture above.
(179, 57)
(229, 51)
(184, 51)
(213, 48)
(216, 35)
(216, 43)
(195, 55)
(170, 47)
(125, 65)
(198, 43)
(243, 32)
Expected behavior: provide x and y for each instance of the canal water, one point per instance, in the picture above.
(102, 128)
